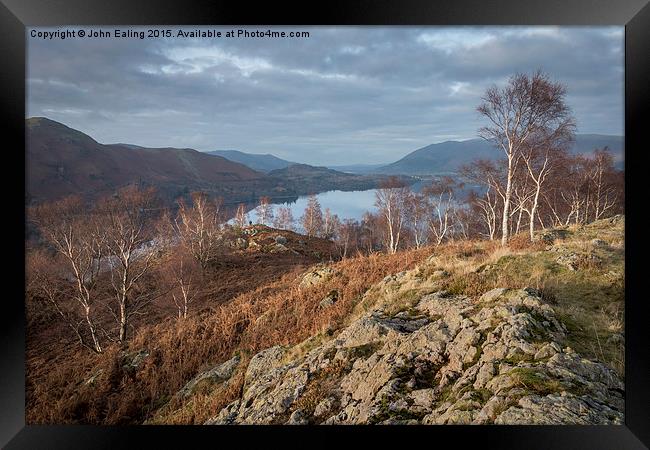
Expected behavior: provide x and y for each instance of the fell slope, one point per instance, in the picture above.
(263, 163)
(447, 157)
(452, 341)
(62, 161)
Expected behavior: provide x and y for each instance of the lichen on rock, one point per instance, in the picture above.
(452, 360)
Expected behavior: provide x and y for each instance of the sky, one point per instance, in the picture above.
(343, 95)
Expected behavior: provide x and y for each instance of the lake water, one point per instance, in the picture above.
(346, 205)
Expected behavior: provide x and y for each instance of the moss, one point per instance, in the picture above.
(445, 394)
(404, 301)
(384, 412)
(204, 386)
(518, 358)
(364, 351)
(318, 388)
(484, 395)
(305, 347)
(535, 381)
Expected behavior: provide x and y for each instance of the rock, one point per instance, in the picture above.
(329, 299)
(226, 416)
(439, 274)
(280, 240)
(263, 362)
(131, 361)
(298, 418)
(548, 350)
(217, 374)
(325, 407)
(423, 397)
(449, 360)
(559, 409)
(491, 410)
(599, 243)
(570, 261)
(241, 243)
(492, 295)
(276, 248)
(317, 276)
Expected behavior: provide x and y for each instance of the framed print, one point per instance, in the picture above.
(385, 221)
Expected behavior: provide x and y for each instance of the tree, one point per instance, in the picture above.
(603, 179)
(284, 218)
(125, 223)
(182, 277)
(74, 233)
(584, 188)
(490, 174)
(347, 236)
(370, 232)
(331, 223)
(487, 208)
(442, 208)
(264, 211)
(199, 227)
(391, 202)
(417, 211)
(241, 216)
(545, 149)
(526, 105)
(312, 218)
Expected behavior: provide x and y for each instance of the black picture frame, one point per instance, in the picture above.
(15, 15)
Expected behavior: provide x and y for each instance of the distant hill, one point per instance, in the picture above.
(63, 161)
(314, 179)
(357, 168)
(263, 163)
(449, 156)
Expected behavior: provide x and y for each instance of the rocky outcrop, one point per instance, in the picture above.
(448, 360)
(319, 275)
(217, 374)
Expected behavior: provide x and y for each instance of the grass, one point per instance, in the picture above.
(535, 381)
(276, 312)
(364, 351)
(319, 387)
(590, 300)
(181, 349)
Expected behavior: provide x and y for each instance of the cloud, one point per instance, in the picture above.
(342, 95)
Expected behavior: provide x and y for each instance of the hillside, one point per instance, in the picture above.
(62, 161)
(448, 157)
(262, 163)
(424, 346)
(320, 179)
(467, 332)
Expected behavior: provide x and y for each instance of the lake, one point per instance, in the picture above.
(346, 205)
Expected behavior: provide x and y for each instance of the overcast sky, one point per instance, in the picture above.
(341, 96)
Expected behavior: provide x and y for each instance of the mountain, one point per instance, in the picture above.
(320, 179)
(449, 156)
(63, 161)
(357, 168)
(262, 163)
